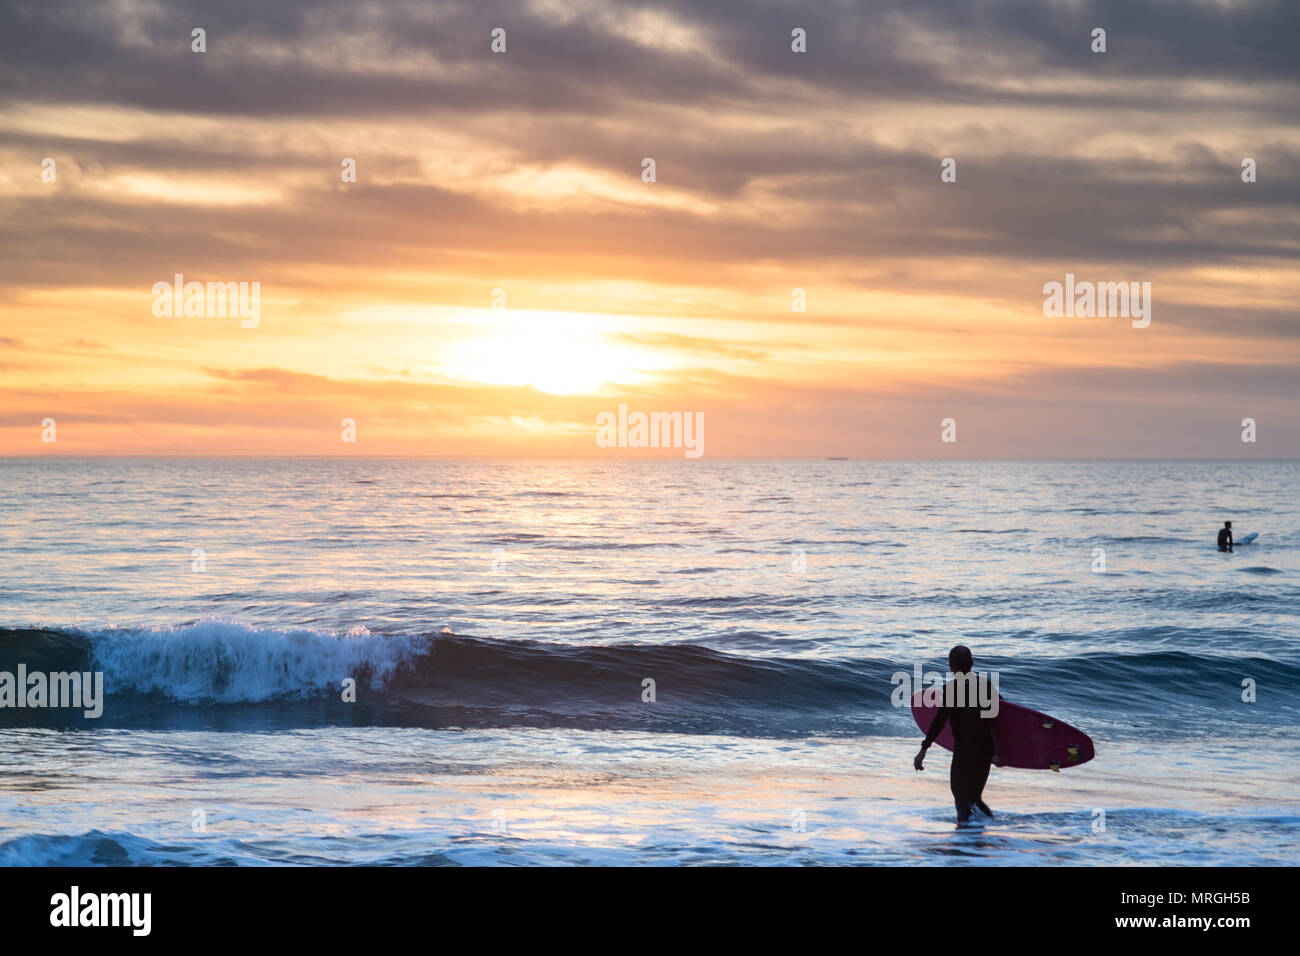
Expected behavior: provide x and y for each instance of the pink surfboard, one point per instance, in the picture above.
(1026, 738)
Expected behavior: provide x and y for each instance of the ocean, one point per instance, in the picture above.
(647, 662)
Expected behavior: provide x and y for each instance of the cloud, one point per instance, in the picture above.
(775, 170)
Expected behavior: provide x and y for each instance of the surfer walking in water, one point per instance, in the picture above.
(974, 744)
(1225, 537)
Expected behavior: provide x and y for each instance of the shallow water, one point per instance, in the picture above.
(412, 796)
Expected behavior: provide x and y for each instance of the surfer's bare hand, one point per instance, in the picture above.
(917, 760)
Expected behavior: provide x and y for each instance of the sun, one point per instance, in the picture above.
(561, 353)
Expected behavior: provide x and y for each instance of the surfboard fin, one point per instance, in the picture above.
(1056, 768)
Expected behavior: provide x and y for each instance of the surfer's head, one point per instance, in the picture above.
(1227, 524)
(960, 659)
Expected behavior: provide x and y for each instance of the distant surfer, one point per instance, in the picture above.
(974, 744)
(1225, 537)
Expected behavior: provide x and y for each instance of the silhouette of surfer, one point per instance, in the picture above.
(974, 743)
(1225, 537)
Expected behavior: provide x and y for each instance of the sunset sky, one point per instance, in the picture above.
(775, 170)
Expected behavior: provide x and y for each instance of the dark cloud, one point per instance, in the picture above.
(581, 63)
(575, 90)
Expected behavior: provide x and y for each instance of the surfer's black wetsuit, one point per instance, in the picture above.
(1225, 539)
(972, 751)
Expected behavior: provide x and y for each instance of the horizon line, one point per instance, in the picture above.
(379, 457)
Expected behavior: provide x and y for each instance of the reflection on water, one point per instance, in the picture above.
(526, 797)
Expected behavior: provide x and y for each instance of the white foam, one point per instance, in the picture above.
(228, 661)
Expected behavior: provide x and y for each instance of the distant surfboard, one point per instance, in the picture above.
(1026, 738)
(1247, 539)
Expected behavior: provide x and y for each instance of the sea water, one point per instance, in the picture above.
(353, 661)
